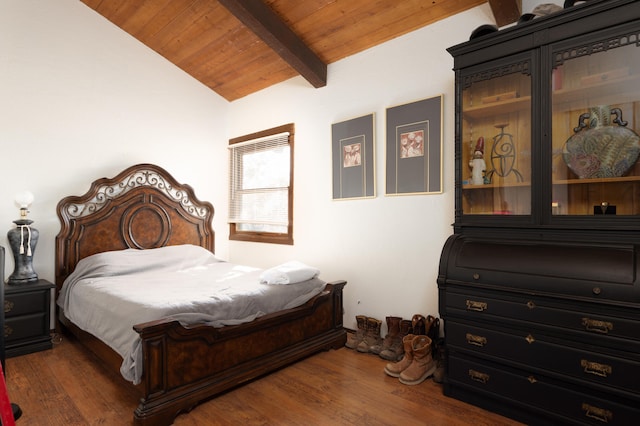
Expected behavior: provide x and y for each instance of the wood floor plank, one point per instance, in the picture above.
(67, 386)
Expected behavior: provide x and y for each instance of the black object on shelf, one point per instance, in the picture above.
(604, 208)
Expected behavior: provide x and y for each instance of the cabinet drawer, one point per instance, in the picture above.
(26, 327)
(541, 311)
(521, 388)
(26, 303)
(534, 349)
(594, 272)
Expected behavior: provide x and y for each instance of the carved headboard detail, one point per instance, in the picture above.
(143, 207)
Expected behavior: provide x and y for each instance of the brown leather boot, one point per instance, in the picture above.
(392, 337)
(354, 339)
(422, 365)
(440, 357)
(371, 335)
(406, 328)
(394, 369)
(432, 328)
(395, 351)
(418, 324)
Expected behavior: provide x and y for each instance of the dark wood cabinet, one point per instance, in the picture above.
(538, 285)
(27, 311)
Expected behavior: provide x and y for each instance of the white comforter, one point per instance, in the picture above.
(108, 293)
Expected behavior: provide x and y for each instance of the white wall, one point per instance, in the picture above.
(387, 248)
(81, 99)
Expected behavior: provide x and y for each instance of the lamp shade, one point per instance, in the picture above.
(24, 199)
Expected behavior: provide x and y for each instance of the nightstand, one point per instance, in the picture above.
(27, 310)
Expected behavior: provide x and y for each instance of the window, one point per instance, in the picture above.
(261, 186)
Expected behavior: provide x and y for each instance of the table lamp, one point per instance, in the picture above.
(23, 239)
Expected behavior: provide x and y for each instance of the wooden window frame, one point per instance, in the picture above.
(268, 237)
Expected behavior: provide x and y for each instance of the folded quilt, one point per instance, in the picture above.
(289, 273)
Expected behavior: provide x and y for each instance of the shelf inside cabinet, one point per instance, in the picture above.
(498, 186)
(500, 107)
(620, 90)
(594, 180)
(616, 91)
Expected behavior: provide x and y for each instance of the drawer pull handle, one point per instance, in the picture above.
(7, 331)
(531, 305)
(473, 305)
(8, 306)
(472, 339)
(478, 376)
(602, 370)
(597, 413)
(597, 326)
(530, 339)
(532, 379)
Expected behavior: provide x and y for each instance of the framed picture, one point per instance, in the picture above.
(414, 148)
(352, 157)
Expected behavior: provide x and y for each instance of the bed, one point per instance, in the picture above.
(183, 364)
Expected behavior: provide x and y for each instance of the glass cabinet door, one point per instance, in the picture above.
(595, 97)
(496, 140)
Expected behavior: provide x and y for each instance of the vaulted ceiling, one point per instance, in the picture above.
(237, 47)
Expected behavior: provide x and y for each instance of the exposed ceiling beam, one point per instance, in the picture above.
(260, 19)
(506, 11)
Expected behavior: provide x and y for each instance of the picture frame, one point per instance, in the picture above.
(353, 158)
(414, 148)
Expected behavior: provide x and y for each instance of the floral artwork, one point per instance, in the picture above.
(351, 155)
(412, 144)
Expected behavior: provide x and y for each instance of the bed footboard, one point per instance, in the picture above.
(186, 365)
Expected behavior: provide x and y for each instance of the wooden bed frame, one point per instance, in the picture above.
(144, 207)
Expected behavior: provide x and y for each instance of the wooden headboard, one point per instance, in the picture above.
(143, 207)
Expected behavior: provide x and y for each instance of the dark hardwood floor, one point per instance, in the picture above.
(66, 386)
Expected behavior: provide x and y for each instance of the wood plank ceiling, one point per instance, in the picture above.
(237, 47)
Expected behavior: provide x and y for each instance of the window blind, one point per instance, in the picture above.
(259, 181)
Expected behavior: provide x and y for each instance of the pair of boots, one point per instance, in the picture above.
(392, 348)
(417, 364)
(367, 337)
(397, 328)
(429, 326)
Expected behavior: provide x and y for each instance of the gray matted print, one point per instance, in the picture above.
(414, 148)
(352, 158)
